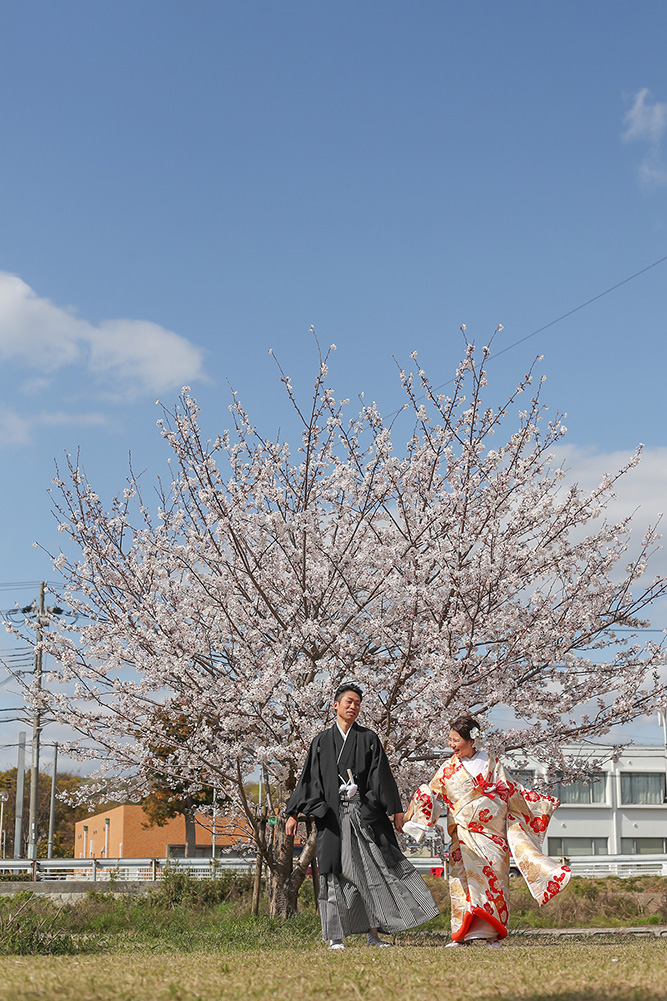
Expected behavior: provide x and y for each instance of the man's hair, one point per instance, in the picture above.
(340, 691)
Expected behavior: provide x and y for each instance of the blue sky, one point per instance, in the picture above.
(185, 186)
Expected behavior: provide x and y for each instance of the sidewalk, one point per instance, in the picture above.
(519, 934)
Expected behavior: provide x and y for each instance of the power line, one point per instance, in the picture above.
(576, 309)
(551, 323)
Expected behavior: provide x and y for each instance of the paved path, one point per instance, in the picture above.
(636, 931)
(649, 931)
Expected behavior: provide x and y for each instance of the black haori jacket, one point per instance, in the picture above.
(316, 794)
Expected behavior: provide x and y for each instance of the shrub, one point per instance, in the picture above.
(179, 888)
(29, 930)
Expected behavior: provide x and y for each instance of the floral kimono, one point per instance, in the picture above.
(489, 816)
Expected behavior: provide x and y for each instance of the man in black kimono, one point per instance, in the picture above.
(366, 883)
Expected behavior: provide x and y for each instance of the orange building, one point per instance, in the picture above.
(120, 833)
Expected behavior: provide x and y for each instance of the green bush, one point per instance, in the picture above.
(27, 928)
(178, 888)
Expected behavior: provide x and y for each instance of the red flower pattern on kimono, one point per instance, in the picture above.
(450, 768)
(497, 840)
(494, 895)
(424, 802)
(492, 816)
(537, 824)
(501, 789)
(554, 885)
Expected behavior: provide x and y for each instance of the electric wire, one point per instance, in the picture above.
(546, 326)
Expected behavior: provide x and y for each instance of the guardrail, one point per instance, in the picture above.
(122, 869)
(153, 869)
(618, 865)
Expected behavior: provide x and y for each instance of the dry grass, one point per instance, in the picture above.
(586, 903)
(197, 943)
(626, 970)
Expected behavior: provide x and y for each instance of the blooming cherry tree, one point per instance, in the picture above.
(456, 574)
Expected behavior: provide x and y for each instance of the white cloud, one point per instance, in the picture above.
(62, 419)
(643, 488)
(645, 120)
(35, 385)
(16, 429)
(131, 355)
(652, 174)
(642, 493)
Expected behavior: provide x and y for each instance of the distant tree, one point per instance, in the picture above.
(169, 796)
(66, 814)
(459, 574)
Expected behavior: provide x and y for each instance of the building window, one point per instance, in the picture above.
(643, 788)
(569, 847)
(643, 846)
(178, 851)
(525, 778)
(589, 790)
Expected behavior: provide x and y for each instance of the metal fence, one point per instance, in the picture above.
(122, 870)
(152, 869)
(618, 865)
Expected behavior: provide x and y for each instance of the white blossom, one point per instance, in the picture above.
(443, 577)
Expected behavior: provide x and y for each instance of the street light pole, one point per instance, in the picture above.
(36, 726)
(52, 806)
(20, 792)
(215, 822)
(3, 799)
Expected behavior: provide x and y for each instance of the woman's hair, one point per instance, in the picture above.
(340, 691)
(464, 725)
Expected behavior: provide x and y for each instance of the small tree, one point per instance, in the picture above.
(168, 796)
(452, 576)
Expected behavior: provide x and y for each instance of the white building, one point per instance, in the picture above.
(620, 810)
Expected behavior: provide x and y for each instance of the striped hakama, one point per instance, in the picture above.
(369, 893)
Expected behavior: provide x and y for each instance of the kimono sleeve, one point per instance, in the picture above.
(527, 820)
(308, 796)
(426, 805)
(533, 810)
(381, 783)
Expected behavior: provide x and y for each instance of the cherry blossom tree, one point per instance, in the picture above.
(458, 573)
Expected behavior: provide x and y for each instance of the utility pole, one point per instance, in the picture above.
(52, 806)
(3, 799)
(36, 726)
(20, 790)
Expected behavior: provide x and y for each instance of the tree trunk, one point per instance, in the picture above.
(190, 830)
(284, 879)
(256, 890)
(313, 868)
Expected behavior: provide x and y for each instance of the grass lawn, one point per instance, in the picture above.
(571, 971)
(195, 940)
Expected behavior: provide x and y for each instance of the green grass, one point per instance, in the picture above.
(183, 915)
(620, 971)
(196, 941)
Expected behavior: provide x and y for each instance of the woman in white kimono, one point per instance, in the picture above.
(490, 817)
